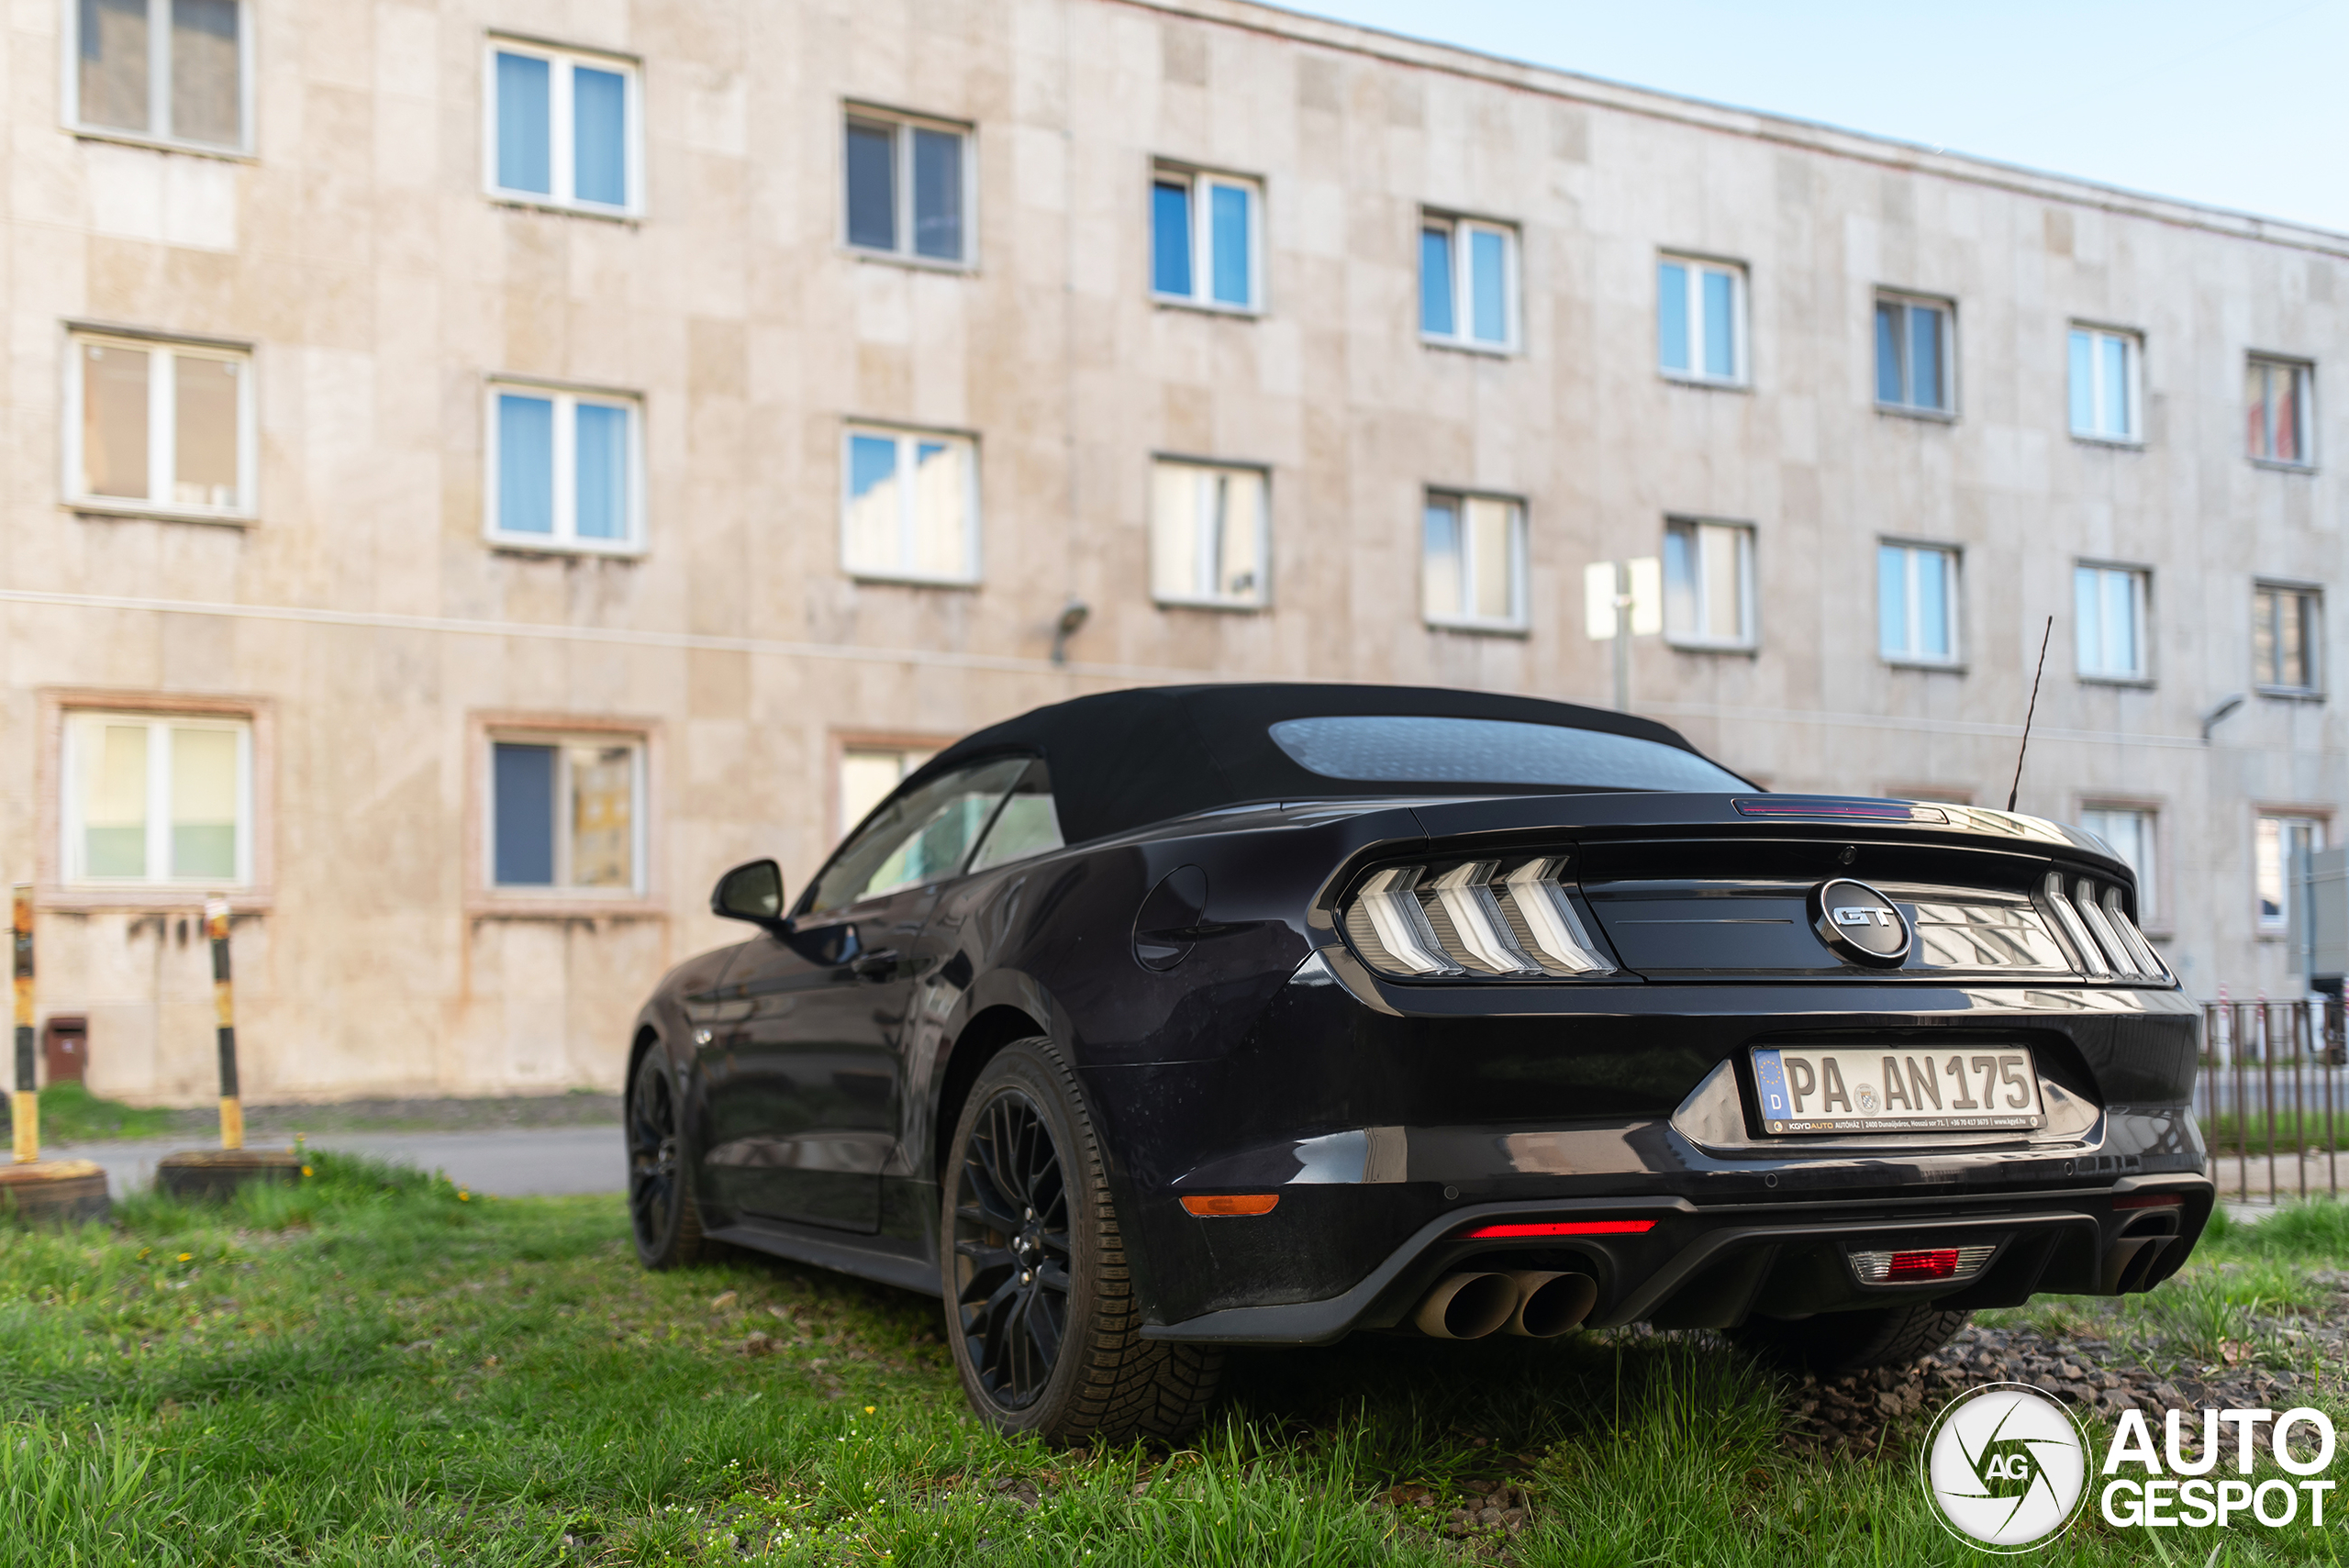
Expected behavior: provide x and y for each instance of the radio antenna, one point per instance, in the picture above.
(2043, 636)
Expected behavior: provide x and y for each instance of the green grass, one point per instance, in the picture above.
(371, 1369)
(71, 1114)
(2293, 1131)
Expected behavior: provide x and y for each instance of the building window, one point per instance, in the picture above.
(2277, 394)
(563, 128)
(2129, 830)
(162, 70)
(1709, 583)
(1205, 247)
(2109, 614)
(2280, 866)
(2104, 384)
(1473, 571)
(1700, 319)
(564, 470)
(868, 773)
(912, 507)
(908, 185)
(163, 425)
(1467, 283)
(1912, 355)
(158, 800)
(2286, 631)
(1210, 532)
(1917, 603)
(565, 813)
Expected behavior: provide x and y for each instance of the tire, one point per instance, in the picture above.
(1835, 1344)
(661, 1208)
(1039, 1306)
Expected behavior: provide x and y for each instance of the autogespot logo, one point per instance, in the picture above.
(2006, 1467)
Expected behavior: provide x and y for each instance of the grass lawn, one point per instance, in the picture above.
(375, 1368)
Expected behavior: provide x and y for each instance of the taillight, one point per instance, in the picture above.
(1913, 1265)
(1477, 918)
(2108, 941)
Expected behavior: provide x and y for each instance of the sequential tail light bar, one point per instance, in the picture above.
(1917, 1264)
(1231, 1206)
(1505, 1230)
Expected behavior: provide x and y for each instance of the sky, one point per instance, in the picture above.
(2240, 105)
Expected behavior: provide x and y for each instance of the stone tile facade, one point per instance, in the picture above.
(378, 641)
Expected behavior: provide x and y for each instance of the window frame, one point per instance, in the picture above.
(159, 70)
(2133, 351)
(2150, 880)
(565, 539)
(1518, 622)
(2141, 608)
(1458, 226)
(803, 918)
(562, 172)
(904, 743)
(1952, 601)
(2303, 375)
(72, 874)
(1945, 308)
(161, 423)
(1740, 311)
(2311, 640)
(488, 898)
(1196, 178)
(1263, 475)
(974, 536)
(2264, 930)
(1749, 607)
(902, 123)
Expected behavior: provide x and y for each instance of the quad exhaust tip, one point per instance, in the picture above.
(1539, 1304)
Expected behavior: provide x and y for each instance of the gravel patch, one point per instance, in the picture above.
(1869, 1411)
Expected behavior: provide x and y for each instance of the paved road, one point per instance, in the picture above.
(511, 1162)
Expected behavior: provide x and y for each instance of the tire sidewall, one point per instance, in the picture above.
(660, 1251)
(1031, 1067)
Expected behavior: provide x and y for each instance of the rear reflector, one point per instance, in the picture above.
(2149, 1200)
(1231, 1206)
(1561, 1227)
(1917, 1264)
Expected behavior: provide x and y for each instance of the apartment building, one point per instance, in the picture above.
(476, 471)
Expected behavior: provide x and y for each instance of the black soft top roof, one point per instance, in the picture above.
(1123, 760)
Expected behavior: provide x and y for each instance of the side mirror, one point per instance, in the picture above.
(751, 892)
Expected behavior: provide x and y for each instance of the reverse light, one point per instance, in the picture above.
(1508, 1231)
(1919, 1264)
(2149, 1200)
(1231, 1206)
(1473, 919)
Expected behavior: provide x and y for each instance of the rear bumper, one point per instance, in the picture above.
(1713, 1265)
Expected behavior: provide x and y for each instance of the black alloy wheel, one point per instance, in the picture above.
(1012, 1251)
(661, 1208)
(1041, 1310)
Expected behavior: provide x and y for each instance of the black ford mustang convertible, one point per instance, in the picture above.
(1164, 1021)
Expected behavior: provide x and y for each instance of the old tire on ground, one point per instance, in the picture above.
(1040, 1304)
(661, 1208)
(1834, 1343)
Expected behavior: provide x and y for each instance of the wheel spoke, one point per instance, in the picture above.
(1012, 1250)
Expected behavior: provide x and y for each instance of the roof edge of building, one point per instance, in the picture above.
(1791, 131)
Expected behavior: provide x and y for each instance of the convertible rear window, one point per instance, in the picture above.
(1412, 749)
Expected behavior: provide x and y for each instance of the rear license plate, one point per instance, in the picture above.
(1874, 1090)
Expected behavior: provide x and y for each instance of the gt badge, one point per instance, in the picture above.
(1860, 924)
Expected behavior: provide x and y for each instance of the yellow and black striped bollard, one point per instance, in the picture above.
(32, 1187)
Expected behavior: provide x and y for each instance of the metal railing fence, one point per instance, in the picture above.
(2272, 1097)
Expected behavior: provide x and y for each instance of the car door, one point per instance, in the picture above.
(805, 1084)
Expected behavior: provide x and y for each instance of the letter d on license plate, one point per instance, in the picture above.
(1971, 1088)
